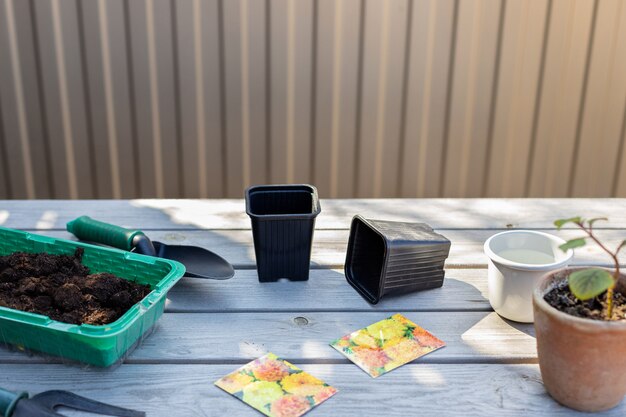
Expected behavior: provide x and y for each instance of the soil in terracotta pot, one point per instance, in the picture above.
(563, 300)
(62, 288)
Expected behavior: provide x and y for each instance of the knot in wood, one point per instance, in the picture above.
(301, 321)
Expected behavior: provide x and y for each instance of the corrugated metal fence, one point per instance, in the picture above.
(363, 98)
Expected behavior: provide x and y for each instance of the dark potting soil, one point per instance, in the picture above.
(563, 300)
(62, 288)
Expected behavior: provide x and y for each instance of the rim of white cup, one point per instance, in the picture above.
(528, 267)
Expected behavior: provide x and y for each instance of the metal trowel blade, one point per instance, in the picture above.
(199, 262)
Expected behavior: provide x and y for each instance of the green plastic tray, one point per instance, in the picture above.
(96, 345)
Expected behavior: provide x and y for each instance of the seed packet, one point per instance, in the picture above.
(387, 344)
(275, 387)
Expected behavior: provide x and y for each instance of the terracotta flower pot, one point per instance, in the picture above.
(582, 361)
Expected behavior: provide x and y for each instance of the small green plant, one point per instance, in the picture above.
(589, 283)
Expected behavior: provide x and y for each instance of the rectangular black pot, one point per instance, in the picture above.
(283, 220)
(394, 257)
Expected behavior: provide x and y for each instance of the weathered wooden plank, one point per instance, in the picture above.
(182, 338)
(326, 290)
(164, 390)
(336, 214)
(329, 246)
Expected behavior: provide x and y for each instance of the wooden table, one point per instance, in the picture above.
(489, 366)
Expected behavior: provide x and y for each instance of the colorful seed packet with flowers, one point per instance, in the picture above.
(275, 387)
(387, 344)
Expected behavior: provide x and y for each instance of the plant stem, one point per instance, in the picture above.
(609, 291)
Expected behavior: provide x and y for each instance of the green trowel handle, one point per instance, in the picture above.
(8, 401)
(86, 228)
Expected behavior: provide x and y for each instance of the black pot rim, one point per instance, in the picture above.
(283, 187)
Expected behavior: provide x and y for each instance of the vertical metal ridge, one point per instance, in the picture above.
(494, 99)
(614, 42)
(91, 146)
(68, 133)
(620, 151)
(268, 90)
(41, 96)
(550, 171)
(222, 87)
(382, 101)
(514, 114)
(468, 114)
(583, 98)
(606, 93)
(290, 99)
(245, 93)
(539, 92)
(19, 99)
(154, 100)
(404, 98)
(313, 120)
(425, 116)
(132, 99)
(177, 106)
(103, 21)
(620, 146)
(359, 100)
(448, 107)
(200, 109)
(6, 172)
(336, 103)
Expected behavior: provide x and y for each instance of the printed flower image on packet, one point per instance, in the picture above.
(275, 387)
(387, 344)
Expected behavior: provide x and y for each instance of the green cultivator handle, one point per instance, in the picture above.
(86, 228)
(8, 401)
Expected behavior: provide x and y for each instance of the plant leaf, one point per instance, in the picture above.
(572, 244)
(592, 221)
(561, 222)
(589, 283)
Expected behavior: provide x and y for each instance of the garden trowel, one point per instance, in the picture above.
(19, 404)
(199, 262)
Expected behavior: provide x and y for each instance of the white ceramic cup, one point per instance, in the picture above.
(517, 261)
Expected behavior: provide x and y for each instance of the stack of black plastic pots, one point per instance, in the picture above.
(383, 257)
(393, 257)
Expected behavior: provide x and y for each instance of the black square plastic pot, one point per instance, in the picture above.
(283, 219)
(394, 257)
